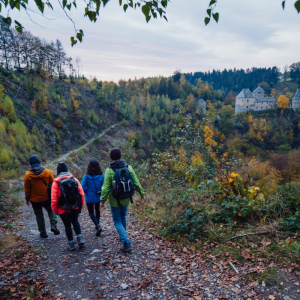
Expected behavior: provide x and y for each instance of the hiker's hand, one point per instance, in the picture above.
(143, 199)
(102, 205)
(28, 202)
(57, 213)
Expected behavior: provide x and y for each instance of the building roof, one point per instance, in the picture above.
(265, 99)
(245, 93)
(258, 90)
(297, 96)
(201, 101)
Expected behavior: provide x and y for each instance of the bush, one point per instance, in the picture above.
(48, 116)
(59, 123)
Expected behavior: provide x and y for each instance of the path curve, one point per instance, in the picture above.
(64, 157)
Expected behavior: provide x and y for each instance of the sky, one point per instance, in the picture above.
(256, 33)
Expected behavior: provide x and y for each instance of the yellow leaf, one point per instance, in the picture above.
(193, 248)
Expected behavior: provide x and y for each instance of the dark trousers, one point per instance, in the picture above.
(94, 212)
(38, 211)
(69, 219)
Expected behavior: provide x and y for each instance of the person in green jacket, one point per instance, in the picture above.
(119, 212)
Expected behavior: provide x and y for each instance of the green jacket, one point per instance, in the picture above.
(106, 192)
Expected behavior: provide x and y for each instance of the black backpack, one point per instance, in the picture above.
(70, 197)
(123, 186)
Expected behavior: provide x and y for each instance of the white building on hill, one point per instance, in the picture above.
(256, 101)
(296, 101)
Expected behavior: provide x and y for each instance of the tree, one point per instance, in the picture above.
(5, 42)
(283, 102)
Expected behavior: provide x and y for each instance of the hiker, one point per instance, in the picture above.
(119, 183)
(37, 185)
(67, 200)
(92, 184)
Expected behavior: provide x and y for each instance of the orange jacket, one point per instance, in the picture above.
(56, 192)
(35, 188)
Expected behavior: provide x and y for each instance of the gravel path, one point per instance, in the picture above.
(154, 270)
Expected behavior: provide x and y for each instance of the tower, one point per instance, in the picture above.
(259, 92)
(245, 101)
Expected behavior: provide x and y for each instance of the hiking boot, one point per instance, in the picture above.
(80, 241)
(99, 230)
(71, 246)
(43, 235)
(55, 230)
(126, 247)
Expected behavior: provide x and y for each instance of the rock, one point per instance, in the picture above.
(287, 298)
(2, 283)
(124, 286)
(88, 271)
(95, 251)
(35, 232)
(152, 252)
(177, 261)
(236, 290)
(263, 284)
(2, 222)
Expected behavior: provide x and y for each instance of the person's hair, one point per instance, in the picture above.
(94, 168)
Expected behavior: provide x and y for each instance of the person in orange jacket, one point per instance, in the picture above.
(36, 182)
(67, 199)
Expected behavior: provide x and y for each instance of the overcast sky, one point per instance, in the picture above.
(256, 33)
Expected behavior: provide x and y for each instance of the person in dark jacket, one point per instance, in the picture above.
(36, 182)
(92, 184)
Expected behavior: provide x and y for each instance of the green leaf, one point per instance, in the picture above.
(165, 18)
(7, 20)
(212, 2)
(19, 27)
(69, 6)
(125, 7)
(79, 36)
(146, 10)
(104, 2)
(131, 3)
(64, 2)
(209, 12)
(216, 17)
(40, 5)
(148, 19)
(164, 3)
(283, 4)
(73, 41)
(297, 6)
(74, 3)
(206, 20)
(120, 2)
(81, 32)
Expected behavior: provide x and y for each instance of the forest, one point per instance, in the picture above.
(206, 166)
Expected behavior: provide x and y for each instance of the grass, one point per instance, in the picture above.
(38, 251)
(270, 276)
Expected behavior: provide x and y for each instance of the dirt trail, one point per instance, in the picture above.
(154, 270)
(64, 157)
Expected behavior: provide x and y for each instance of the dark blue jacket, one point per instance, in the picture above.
(90, 185)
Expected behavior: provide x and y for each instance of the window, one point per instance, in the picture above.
(261, 108)
(247, 106)
(247, 100)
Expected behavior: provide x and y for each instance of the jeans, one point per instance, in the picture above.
(71, 218)
(40, 217)
(119, 218)
(94, 218)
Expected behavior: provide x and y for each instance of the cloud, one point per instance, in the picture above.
(253, 33)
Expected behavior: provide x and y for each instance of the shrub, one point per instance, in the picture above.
(59, 123)
(48, 116)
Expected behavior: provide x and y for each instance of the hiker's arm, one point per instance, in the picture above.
(51, 177)
(27, 189)
(106, 187)
(136, 183)
(83, 184)
(54, 197)
(81, 192)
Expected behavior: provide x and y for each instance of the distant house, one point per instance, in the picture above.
(296, 101)
(200, 104)
(256, 101)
